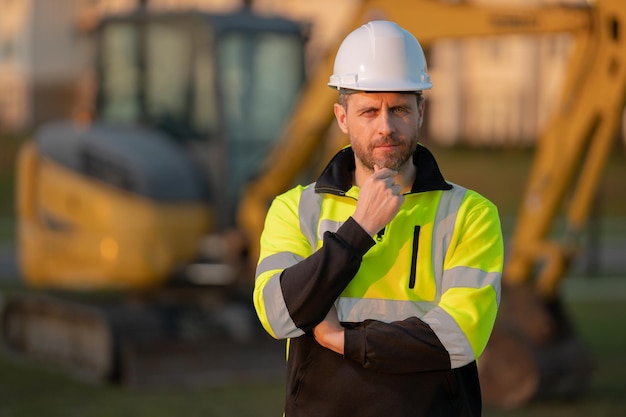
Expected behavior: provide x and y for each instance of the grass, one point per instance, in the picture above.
(27, 391)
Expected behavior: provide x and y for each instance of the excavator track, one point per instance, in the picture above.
(59, 332)
(140, 343)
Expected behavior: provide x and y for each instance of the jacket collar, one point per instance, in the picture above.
(337, 176)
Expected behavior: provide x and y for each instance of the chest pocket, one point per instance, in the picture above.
(416, 243)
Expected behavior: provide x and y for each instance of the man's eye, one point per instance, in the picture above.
(400, 110)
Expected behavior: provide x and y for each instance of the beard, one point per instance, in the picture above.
(394, 160)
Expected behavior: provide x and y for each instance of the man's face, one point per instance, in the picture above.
(383, 127)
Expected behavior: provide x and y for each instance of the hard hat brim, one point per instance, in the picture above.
(382, 87)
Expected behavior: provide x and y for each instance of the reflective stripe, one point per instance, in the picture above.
(328, 226)
(451, 336)
(276, 310)
(360, 309)
(309, 212)
(445, 327)
(445, 220)
(279, 260)
(465, 277)
(309, 209)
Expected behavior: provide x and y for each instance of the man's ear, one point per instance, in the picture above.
(420, 108)
(340, 115)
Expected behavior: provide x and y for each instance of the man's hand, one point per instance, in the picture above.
(380, 200)
(329, 333)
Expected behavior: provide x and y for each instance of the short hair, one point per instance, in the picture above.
(345, 92)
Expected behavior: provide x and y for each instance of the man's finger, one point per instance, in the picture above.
(384, 172)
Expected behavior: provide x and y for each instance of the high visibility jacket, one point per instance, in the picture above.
(418, 301)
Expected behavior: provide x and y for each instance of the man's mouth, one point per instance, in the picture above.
(386, 145)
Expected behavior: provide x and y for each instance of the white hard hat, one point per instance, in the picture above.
(380, 56)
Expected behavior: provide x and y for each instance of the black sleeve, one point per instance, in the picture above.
(311, 286)
(403, 346)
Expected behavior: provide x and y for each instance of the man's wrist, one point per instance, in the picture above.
(330, 337)
(363, 224)
(334, 341)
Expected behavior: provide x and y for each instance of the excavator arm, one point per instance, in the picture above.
(533, 352)
(573, 150)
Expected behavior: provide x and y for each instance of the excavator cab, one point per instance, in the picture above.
(188, 107)
(222, 86)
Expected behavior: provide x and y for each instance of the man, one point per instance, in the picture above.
(384, 277)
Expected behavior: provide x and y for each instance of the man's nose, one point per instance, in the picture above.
(385, 123)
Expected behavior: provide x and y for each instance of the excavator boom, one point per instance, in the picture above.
(573, 150)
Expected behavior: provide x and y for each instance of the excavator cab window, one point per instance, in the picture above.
(222, 86)
(154, 73)
(195, 79)
(260, 75)
(119, 75)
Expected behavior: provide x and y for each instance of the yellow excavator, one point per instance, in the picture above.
(160, 200)
(123, 219)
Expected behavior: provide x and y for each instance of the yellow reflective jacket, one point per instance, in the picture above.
(418, 301)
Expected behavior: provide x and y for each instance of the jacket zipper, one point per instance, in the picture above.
(416, 238)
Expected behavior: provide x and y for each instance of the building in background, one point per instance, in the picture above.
(41, 56)
(496, 91)
(488, 92)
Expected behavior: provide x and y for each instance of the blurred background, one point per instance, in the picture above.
(141, 143)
